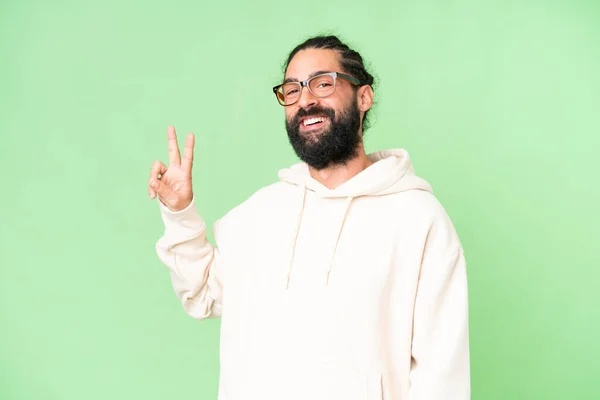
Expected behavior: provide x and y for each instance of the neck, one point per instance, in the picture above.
(334, 176)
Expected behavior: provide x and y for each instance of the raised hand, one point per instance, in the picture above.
(173, 185)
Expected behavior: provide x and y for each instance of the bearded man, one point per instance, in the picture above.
(343, 280)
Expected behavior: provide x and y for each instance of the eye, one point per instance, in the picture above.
(322, 83)
(291, 91)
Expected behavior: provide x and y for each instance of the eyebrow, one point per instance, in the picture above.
(310, 76)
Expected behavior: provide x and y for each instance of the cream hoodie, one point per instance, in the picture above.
(356, 293)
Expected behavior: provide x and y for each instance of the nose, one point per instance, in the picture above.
(306, 99)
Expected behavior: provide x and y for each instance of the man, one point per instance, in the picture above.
(345, 280)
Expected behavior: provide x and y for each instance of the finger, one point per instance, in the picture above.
(174, 156)
(151, 192)
(188, 154)
(157, 168)
(158, 188)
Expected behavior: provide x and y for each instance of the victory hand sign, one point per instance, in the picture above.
(173, 184)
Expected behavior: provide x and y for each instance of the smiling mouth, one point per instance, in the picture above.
(313, 123)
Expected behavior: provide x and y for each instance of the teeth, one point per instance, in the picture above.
(312, 121)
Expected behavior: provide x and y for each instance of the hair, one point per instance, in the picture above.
(351, 61)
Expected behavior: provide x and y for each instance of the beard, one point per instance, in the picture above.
(333, 146)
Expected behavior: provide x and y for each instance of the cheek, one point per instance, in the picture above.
(332, 103)
(337, 104)
(289, 113)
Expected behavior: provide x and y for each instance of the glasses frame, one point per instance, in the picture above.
(305, 83)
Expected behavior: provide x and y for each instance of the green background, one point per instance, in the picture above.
(497, 102)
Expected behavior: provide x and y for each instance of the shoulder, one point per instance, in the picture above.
(425, 209)
(421, 204)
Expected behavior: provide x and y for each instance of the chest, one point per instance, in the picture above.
(336, 250)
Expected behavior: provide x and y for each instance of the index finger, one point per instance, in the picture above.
(174, 156)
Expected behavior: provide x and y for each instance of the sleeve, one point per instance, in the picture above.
(194, 263)
(440, 366)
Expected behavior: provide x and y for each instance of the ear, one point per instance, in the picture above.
(365, 98)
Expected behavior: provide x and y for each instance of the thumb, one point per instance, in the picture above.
(159, 187)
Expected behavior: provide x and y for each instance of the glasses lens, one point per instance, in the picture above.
(288, 93)
(322, 85)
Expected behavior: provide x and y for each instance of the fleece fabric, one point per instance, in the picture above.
(355, 293)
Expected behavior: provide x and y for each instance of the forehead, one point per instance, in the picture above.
(309, 61)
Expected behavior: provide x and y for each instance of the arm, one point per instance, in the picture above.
(184, 249)
(440, 367)
(192, 260)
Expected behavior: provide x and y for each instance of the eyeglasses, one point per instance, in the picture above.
(321, 85)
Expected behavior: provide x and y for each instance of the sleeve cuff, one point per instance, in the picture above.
(183, 223)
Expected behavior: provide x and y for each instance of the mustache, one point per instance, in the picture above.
(313, 112)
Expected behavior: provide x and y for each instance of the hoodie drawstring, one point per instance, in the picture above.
(297, 231)
(298, 222)
(337, 239)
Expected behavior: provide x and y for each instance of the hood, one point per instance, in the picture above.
(391, 172)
